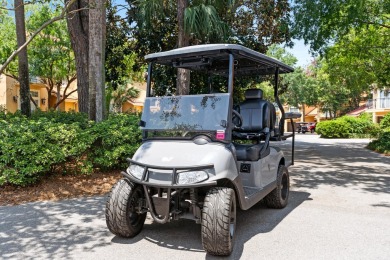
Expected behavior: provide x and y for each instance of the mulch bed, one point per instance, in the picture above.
(58, 187)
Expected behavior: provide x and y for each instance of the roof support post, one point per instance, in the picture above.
(149, 80)
(280, 105)
(231, 73)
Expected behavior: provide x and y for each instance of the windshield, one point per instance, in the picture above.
(195, 113)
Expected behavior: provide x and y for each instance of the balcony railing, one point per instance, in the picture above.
(379, 103)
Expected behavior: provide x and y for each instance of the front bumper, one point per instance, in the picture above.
(172, 182)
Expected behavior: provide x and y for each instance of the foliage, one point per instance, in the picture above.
(120, 58)
(70, 117)
(382, 144)
(7, 42)
(116, 138)
(333, 129)
(59, 141)
(320, 22)
(51, 57)
(122, 94)
(254, 24)
(31, 148)
(385, 122)
(359, 60)
(347, 127)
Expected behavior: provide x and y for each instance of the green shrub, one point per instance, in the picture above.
(63, 117)
(333, 129)
(348, 127)
(385, 122)
(31, 148)
(117, 138)
(382, 144)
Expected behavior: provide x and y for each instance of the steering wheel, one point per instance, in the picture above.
(236, 117)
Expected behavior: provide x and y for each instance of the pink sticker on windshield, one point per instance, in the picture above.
(220, 134)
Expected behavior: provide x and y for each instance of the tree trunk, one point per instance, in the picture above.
(183, 75)
(97, 32)
(58, 97)
(22, 59)
(303, 113)
(78, 31)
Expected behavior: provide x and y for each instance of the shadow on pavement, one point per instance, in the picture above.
(341, 164)
(51, 230)
(186, 234)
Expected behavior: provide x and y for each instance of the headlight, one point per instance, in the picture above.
(191, 177)
(135, 170)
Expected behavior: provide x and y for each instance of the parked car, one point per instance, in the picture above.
(311, 127)
(302, 127)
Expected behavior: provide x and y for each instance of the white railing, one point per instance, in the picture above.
(379, 103)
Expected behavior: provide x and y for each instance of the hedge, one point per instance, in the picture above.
(59, 141)
(348, 127)
(382, 144)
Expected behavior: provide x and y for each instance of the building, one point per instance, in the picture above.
(309, 114)
(379, 105)
(138, 103)
(10, 96)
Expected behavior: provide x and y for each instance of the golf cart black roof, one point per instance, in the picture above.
(214, 58)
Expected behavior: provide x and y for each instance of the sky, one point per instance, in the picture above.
(301, 52)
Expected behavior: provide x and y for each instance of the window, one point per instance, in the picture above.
(35, 95)
(294, 109)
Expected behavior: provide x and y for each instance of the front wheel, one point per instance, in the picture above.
(278, 198)
(122, 209)
(219, 221)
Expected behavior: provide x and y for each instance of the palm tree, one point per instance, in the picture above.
(121, 95)
(197, 20)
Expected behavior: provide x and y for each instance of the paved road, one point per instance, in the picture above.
(339, 209)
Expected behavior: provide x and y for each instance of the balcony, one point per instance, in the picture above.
(379, 103)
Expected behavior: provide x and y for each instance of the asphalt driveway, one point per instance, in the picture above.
(339, 209)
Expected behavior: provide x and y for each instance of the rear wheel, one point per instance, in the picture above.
(219, 221)
(278, 198)
(122, 215)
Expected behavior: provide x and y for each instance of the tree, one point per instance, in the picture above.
(260, 24)
(120, 55)
(97, 32)
(78, 27)
(122, 94)
(65, 11)
(22, 58)
(320, 22)
(255, 24)
(360, 59)
(8, 43)
(198, 19)
(297, 88)
(51, 55)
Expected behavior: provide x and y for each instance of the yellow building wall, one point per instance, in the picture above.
(70, 106)
(310, 118)
(128, 107)
(12, 91)
(3, 93)
(42, 95)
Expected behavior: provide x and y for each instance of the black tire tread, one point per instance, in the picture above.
(116, 210)
(274, 198)
(216, 221)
